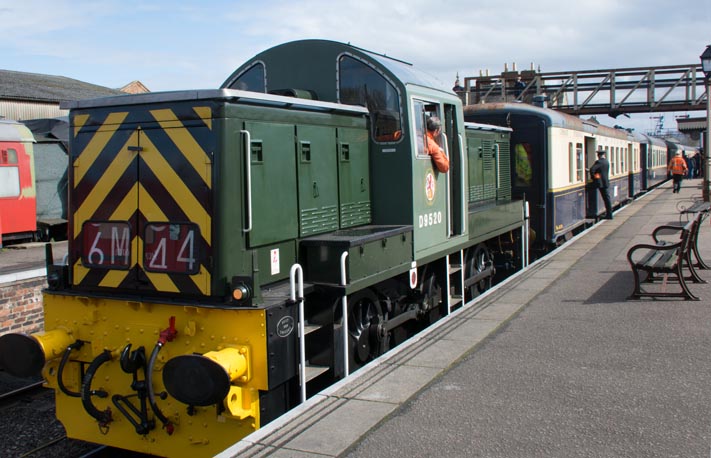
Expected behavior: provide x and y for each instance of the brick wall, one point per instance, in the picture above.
(21, 306)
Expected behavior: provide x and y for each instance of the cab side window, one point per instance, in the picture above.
(253, 79)
(360, 84)
(422, 110)
(9, 174)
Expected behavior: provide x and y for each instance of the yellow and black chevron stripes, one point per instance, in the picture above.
(143, 165)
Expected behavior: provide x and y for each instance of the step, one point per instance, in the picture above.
(309, 328)
(314, 371)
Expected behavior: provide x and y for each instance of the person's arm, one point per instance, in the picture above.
(440, 159)
(437, 154)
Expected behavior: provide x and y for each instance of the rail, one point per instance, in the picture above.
(344, 307)
(293, 272)
(248, 170)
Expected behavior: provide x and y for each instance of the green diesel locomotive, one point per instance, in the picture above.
(234, 251)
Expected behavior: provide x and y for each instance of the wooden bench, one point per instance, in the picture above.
(666, 259)
(699, 209)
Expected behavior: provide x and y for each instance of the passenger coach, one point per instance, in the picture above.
(551, 154)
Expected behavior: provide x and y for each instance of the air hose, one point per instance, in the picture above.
(65, 357)
(103, 417)
(166, 335)
(151, 395)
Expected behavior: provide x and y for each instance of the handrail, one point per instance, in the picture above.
(449, 183)
(302, 339)
(497, 148)
(248, 168)
(463, 178)
(344, 306)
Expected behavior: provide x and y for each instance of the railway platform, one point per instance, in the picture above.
(554, 362)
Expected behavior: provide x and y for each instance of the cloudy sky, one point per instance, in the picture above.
(177, 44)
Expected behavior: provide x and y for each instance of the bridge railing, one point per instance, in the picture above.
(608, 91)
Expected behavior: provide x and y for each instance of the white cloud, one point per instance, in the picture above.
(180, 45)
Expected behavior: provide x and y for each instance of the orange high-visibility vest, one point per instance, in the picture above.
(677, 165)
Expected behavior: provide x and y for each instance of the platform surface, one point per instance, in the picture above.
(555, 362)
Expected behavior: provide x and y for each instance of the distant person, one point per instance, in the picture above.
(434, 130)
(600, 172)
(519, 86)
(677, 167)
(690, 166)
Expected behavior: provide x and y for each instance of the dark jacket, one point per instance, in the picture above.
(601, 166)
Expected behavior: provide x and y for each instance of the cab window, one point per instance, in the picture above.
(9, 174)
(253, 79)
(421, 111)
(360, 84)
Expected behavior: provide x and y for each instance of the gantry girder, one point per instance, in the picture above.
(586, 92)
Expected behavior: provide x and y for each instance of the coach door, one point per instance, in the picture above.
(591, 192)
(142, 201)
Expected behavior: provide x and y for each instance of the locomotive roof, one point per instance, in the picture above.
(491, 127)
(229, 95)
(13, 131)
(307, 59)
(551, 117)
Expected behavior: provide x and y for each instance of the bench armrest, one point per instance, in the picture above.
(648, 247)
(668, 227)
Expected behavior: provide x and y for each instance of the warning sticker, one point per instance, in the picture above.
(275, 261)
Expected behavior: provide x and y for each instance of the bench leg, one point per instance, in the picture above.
(693, 276)
(637, 292)
(700, 264)
(682, 282)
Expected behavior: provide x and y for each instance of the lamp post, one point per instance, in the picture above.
(706, 66)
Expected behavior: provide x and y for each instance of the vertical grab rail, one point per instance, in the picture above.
(296, 268)
(248, 168)
(498, 171)
(463, 176)
(524, 239)
(449, 184)
(344, 306)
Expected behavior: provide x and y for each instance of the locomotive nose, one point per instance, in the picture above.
(24, 356)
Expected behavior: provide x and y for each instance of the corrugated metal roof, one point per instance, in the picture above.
(20, 110)
(48, 88)
(691, 124)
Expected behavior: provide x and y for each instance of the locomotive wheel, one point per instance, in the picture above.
(364, 317)
(432, 292)
(477, 261)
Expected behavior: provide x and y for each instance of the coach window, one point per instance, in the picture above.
(579, 157)
(571, 163)
(9, 174)
(360, 84)
(253, 79)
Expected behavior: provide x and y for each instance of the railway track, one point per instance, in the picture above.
(18, 393)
